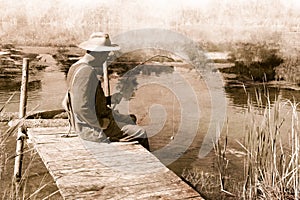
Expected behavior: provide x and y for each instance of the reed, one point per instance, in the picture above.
(222, 163)
(34, 183)
(3, 139)
(205, 183)
(31, 185)
(272, 162)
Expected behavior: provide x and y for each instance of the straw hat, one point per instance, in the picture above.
(99, 41)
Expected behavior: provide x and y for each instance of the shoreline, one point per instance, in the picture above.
(271, 84)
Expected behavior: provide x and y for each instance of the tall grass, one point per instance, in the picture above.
(3, 139)
(31, 185)
(271, 156)
(272, 160)
(64, 22)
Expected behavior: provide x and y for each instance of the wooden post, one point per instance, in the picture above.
(106, 82)
(22, 112)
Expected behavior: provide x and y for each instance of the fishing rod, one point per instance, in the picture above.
(118, 96)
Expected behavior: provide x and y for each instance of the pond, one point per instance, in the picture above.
(172, 102)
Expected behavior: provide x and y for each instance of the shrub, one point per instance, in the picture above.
(289, 70)
(255, 61)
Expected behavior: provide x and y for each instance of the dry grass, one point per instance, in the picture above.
(271, 161)
(63, 22)
(34, 184)
(271, 164)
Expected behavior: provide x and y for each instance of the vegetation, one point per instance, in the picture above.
(271, 157)
(289, 70)
(271, 165)
(255, 62)
(263, 62)
(62, 22)
(36, 182)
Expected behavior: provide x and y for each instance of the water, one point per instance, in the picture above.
(47, 95)
(158, 103)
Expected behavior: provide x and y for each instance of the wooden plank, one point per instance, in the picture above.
(89, 170)
(153, 185)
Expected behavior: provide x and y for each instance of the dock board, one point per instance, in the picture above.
(89, 170)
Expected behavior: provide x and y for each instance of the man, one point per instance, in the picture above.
(86, 103)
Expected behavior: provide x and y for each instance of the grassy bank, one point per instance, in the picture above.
(289, 70)
(262, 62)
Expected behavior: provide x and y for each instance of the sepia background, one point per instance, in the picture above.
(64, 22)
(252, 44)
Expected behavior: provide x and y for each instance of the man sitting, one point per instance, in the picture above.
(86, 103)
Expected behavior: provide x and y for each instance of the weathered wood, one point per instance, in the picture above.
(22, 112)
(32, 123)
(89, 170)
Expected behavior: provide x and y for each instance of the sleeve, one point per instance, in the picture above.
(83, 91)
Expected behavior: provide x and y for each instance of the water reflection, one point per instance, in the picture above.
(128, 83)
(10, 84)
(47, 92)
(259, 95)
(290, 94)
(9, 87)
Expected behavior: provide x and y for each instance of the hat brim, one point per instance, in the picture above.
(87, 45)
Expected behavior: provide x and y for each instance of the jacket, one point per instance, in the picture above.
(80, 102)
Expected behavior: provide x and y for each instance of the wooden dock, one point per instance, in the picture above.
(89, 170)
